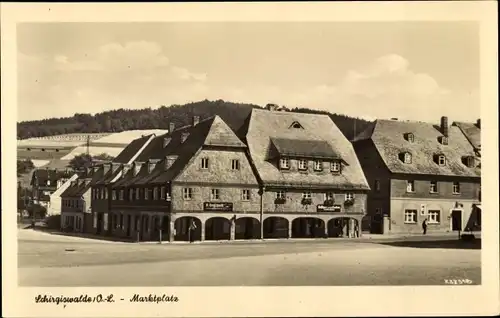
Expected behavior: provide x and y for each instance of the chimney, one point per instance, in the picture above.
(169, 161)
(166, 141)
(478, 123)
(184, 136)
(196, 120)
(444, 126)
(171, 127)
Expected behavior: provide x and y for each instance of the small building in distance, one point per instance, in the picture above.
(45, 181)
(419, 171)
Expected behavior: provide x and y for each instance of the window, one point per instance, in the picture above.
(407, 157)
(121, 220)
(434, 216)
(456, 188)
(245, 195)
(442, 160)
(443, 140)
(168, 196)
(102, 193)
(122, 192)
(410, 186)
(138, 194)
(187, 193)
(235, 164)
(214, 194)
(280, 195)
(284, 163)
(296, 125)
(48, 182)
(349, 196)
(204, 163)
(469, 161)
(318, 165)
(146, 193)
(105, 193)
(329, 196)
(335, 166)
(155, 193)
(131, 194)
(377, 185)
(162, 193)
(113, 195)
(306, 195)
(433, 187)
(410, 216)
(410, 137)
(302, 164)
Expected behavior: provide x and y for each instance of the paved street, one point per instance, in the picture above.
(52, 260)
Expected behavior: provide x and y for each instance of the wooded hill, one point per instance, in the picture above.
(129, 119)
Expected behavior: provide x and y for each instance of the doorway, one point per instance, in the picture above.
(456, 220)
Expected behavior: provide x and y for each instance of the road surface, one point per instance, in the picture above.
(51, 260)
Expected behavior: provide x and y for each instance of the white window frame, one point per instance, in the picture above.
(281, 194)
(349, 196)
(187, 193)
(335, 166)
(122, 194)
(442, 160)
(146, 193)
(204, 163)
(284, 163)
(433, 187)
(302, 164)
(410, 186)
(137, 193)
(431, 216)
(155, 193)
(162, 193)
(408, 219)
(456, 188)
(214, 194)
(245, 194)
(329, 196)
(411, 137)
(131, 194)
(407, 158)
(235, 164)
(318, 165)
(306, 195)
(168, 195)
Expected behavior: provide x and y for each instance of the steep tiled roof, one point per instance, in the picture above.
(110, 174)
(472, 132)
(319, 130)
(131, 150)
(388, 138)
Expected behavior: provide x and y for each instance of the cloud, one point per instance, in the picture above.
(114, 75)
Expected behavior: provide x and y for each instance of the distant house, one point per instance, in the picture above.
(45, 182)
(311, 183)
(420, 171)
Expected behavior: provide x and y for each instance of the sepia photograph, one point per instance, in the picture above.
(197, 153)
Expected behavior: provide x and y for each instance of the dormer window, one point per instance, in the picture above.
(443, 140)
(440, 159)
(138, 194)
(302, 165)
(184, 136)
(335, 166)
(405, 157)
(318, 165)
(204, 163)
(409, 137)
(469, 161)
(284, 163)
(296, 125)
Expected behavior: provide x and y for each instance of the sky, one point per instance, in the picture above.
(408, 70)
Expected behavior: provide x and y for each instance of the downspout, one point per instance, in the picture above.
(262, 191)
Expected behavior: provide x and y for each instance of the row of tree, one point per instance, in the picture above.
(129, 119)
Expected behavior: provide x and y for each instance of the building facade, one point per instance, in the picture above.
(44, 182)
(419, 171)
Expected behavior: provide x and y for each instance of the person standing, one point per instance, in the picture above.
(424, 226)
(192, 228)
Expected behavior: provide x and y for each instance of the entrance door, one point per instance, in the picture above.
(99, 222)
(456, 220)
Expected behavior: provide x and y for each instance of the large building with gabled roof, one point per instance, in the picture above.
(420, 171)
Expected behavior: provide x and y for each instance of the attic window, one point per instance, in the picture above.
(284, 163)
(443, 140)
(335, 167)
(409, 137)
(469, 161)
(440, 159)
(405, 157)
(296, 125)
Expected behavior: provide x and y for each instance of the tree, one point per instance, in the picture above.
(24, 166)
(37, 210)
(80, 162)
(104, 157)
